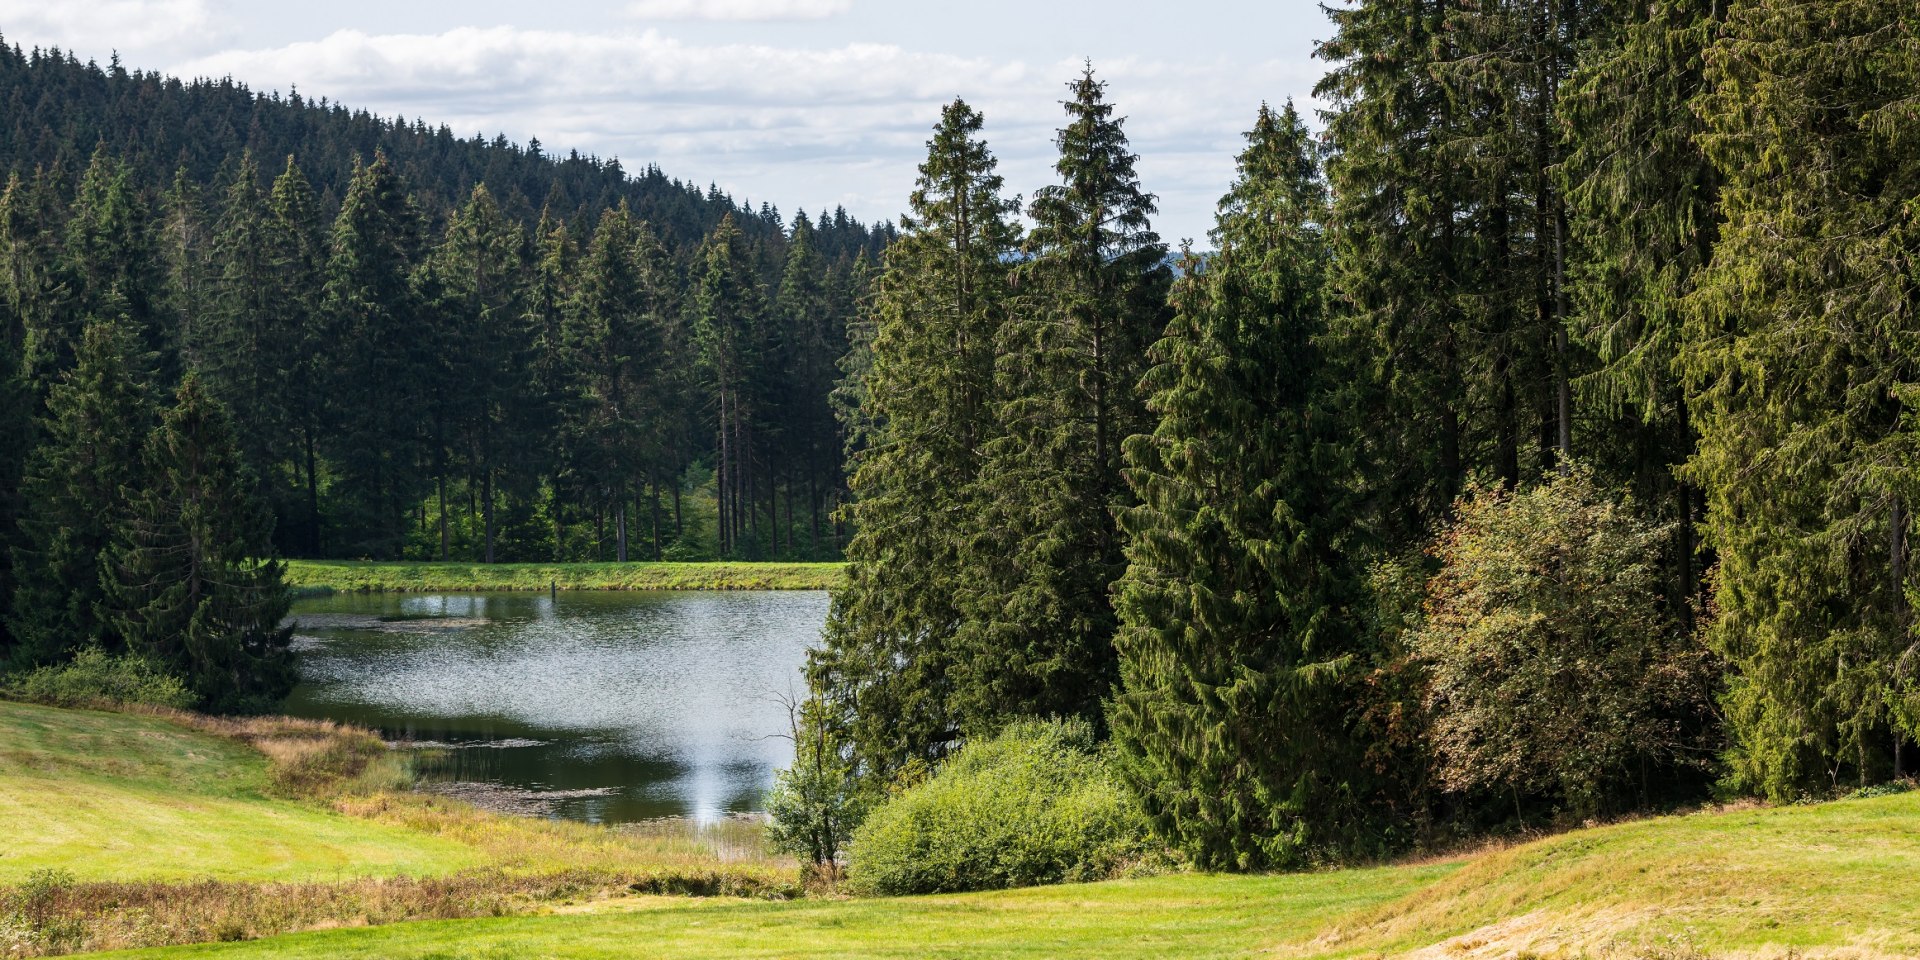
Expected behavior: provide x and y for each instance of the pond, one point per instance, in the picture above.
(606, 707)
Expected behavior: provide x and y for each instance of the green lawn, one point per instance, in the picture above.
(117, 797)
(1180, 916)
(348, 576)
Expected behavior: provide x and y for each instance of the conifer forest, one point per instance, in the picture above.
(1526, 445)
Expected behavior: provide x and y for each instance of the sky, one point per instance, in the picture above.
(801, 103)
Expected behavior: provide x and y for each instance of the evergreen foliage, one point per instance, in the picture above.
(1038, 635)
(1236, 612)
(188, 579)
(76, 489)
(924, 390)
(1800, 357)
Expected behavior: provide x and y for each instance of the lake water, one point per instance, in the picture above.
(596, 706)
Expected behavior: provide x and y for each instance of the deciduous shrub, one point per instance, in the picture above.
(1036, 804)
(1556, 669)
(92, 678)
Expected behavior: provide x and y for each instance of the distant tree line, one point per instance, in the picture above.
(1532, 445)
(366, 366)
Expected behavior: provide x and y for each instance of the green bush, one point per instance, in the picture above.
(1034, 805)
(92, 678)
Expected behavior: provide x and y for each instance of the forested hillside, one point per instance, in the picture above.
(238, 325)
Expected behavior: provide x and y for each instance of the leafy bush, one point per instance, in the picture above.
(815, 803)
(1034, 805)
(92, 678)
(1557, 670)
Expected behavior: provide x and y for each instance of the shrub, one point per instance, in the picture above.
(1034, 805)
(1557, 670)
(92, 678)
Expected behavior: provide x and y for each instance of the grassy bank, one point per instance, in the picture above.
(1834, 880)
(124, 830)
(362, 576)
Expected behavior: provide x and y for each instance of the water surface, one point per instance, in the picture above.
(629, 705)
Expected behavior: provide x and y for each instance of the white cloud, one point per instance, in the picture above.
(795, 126)
(133, 24)
(737, 9)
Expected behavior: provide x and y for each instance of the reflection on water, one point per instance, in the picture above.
(636, 705)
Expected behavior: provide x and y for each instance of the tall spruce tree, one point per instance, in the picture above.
(479, 275)
(1236, 608)
(295, 240)
(925, 402)
(31, 280)
(381, 360)
(1642, 223)
(1450, 235)
(76, 487)
(112, 268)
(1802, 360)
(728, 329)
(189, 581)
(617, 341)
(551, 421)
(16, 440)
(1038, 637)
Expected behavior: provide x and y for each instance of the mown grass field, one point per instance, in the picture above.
(357, 576)
(130, 798)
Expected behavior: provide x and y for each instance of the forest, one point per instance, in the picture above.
(1527, 443)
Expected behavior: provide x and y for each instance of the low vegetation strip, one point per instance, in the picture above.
(1831, 880)
(366, 576)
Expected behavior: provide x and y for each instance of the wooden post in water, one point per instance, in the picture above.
(553, 590)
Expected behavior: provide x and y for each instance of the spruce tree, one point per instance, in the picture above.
(924, 394)
(479, 271)
(112, 268)
(615, 335)
(552, 421)
(382, 357)
(31, 282)
(16, 440)
(1235, 611)
(1642, 223)
(1801, 359)
(189, 582)
(1038, 635)
(294, 237)
(76, 488)
(727, 310)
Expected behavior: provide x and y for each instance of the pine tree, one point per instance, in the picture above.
(76, 487)
(186, 258)
(1038, 637)
(925, 393)
(189, 582)
(31, 282)
(1236, 607)
(381, 361)
(1801, 360)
